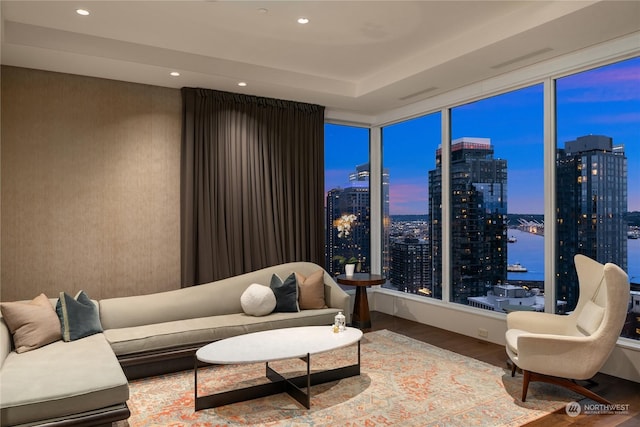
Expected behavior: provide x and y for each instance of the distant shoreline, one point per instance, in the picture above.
(633, 218)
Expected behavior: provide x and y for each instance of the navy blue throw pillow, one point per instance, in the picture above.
(78, 316)
(286, 293)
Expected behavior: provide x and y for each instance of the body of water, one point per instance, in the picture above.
(529, 251)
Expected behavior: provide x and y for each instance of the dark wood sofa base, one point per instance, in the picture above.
(95, 418)
(152, 363)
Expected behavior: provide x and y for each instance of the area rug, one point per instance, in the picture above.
(403, 382)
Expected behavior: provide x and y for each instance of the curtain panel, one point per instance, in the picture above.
(252, 184)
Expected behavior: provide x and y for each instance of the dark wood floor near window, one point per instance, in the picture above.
(615, 389)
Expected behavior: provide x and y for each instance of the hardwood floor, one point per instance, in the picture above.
(616, 390)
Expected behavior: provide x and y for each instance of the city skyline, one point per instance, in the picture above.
(603, 101)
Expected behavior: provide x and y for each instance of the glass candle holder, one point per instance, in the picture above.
(340, 322)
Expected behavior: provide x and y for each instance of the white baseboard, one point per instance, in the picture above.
(624, 362)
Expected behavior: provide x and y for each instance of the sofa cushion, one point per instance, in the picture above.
(61, 379)
(33, 324)
(286, 292)
(192, 332)
(311, 291)
(258, 300)
(78, 316)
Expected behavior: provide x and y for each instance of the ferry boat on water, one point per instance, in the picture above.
(512, 239)
(516, 268)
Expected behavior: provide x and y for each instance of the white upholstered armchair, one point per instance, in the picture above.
(562, 348)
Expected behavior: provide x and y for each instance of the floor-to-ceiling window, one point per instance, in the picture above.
(497, 202)
(598, 177)
(409, 153)
(497, 197)
(347, 202)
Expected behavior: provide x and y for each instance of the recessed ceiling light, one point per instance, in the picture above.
(263, 10)
(174, 73)
(243, 84)
(83, 12)
(303, 20)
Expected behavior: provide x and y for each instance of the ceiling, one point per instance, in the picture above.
(358, 56)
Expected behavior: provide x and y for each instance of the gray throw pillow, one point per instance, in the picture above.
(78, 316)
(286, 293)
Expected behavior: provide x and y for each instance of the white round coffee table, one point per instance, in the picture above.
(272, 345)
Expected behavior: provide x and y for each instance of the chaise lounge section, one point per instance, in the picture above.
(63, 383)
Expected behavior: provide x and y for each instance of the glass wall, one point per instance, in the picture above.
(347, 206)
(497, 202)
(597, 177)
(409, 153)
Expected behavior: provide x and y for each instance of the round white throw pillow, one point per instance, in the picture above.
(258, 300)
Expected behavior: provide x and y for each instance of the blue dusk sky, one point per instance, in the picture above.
(602, 101)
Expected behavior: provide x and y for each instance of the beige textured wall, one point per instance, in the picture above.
(90, 186)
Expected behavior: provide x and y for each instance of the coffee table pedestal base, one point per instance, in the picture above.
(294, 387)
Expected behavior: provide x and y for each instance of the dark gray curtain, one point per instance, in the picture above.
(252, 184)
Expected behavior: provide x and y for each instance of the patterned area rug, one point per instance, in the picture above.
(403, 382)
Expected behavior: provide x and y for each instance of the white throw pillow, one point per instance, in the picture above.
(258, 300)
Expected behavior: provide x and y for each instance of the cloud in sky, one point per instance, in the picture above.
(608, 84)
(335, 178)
(620, 118)
(604, 94)
(525, 191)
(408, 198)
(619, 73)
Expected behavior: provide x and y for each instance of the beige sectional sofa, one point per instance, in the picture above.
(84, 382)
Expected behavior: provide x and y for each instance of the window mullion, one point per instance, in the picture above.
(375, 189)
(446, 204)
(550, 145)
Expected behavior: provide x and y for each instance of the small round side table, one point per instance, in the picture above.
(361, 317)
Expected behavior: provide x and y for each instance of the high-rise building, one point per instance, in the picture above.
(478, 219)
(346, 201)
(354, 200)
(410, 267)
(591, 188)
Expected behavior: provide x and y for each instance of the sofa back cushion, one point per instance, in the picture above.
(211, 299)
(197, 301)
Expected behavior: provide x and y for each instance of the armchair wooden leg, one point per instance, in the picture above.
(563, 382)
(525, 384)
(513, 369)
